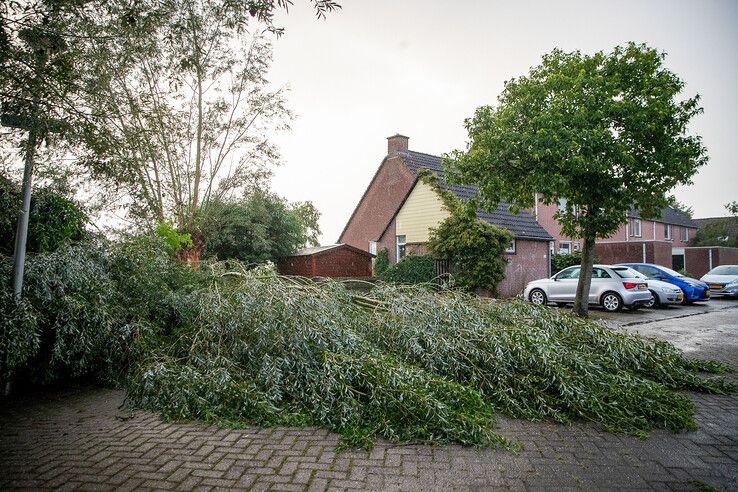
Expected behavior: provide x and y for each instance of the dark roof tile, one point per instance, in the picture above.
(670, 215)
(523, 225)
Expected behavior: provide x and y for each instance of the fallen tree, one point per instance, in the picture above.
(406, 363)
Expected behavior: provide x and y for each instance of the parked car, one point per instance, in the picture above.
(662, 293)
(612, 288)
(722, 280)
(693, 289)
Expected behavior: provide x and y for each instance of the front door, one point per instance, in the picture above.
(564, 288)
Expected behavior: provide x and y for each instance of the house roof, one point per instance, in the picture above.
(522, 225)
(316, 250)
(670, 215)
(730, 224)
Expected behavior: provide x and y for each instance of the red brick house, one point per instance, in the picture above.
(335, 260)
(397, 212)
(673, 228)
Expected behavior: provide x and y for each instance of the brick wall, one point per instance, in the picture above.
(343, 262)
(296, 265)
(336, 263)
(697, 260)
(658, 252)
(530, 262)
(380, 202)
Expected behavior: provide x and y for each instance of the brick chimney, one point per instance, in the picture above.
(397, 143)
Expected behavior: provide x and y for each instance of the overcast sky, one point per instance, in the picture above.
(419, 68)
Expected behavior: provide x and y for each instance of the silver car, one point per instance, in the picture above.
(662, 293)
(612, 288)
(723, 280)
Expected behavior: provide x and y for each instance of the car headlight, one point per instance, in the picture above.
(734, 283)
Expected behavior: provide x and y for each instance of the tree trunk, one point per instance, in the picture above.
(581, 302)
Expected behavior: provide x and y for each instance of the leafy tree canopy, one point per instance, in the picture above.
(261, 227)
(682, 207)
(607, 132)
(54, 220)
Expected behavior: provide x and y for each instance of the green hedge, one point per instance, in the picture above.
(413, 269)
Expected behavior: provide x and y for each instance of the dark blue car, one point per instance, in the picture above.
(694, 290)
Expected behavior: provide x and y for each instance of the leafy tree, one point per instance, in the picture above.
(54, 219)
(261, 227)
(166, 102)
(474, 246)
(685, 209)
(606, 132)
(732, 207)
(721, 231)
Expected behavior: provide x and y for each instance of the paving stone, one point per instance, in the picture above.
(71, 439)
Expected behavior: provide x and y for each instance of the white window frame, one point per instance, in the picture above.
(511, 247)
(373, 247)
(633, 223)
(397, 246)
(575, 246)
(685, 234)
(667, 231)
(568, 247)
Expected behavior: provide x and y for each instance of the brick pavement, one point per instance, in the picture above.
(81, 439)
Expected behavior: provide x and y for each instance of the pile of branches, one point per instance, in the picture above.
(406, 363)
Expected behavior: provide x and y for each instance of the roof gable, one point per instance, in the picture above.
(522, 225)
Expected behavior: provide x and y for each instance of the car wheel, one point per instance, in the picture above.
(611, 302)
(654, 302)
(538, 297)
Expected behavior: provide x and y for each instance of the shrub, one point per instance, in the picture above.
(561, 261)
(412, 269)
(381, 262)
(474, 247)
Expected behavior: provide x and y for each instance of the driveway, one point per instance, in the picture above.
(82, 439)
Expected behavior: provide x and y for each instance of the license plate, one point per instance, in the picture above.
(680, 297)
(642, 286)
(716, 286)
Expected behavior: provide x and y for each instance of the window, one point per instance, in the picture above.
(576, 246)
(562, 205)
(685, 234)
(600, 273)
(635, 227)
(667, 231)
(564, 248)
(511, 247)
(569, 273)
(373, 247)
(400, 247)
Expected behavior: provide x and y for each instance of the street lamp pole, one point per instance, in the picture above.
(21, 235)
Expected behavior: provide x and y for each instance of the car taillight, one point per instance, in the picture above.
(630, 285)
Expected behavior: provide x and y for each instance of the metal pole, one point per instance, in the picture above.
(21, 232)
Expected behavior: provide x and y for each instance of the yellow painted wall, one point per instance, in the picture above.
(422, 210)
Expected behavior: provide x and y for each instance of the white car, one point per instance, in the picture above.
(662, 293)
(722, 280)
(612, 288)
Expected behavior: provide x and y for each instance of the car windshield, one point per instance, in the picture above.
(724, 270)
(671, 272)
(626, 272)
